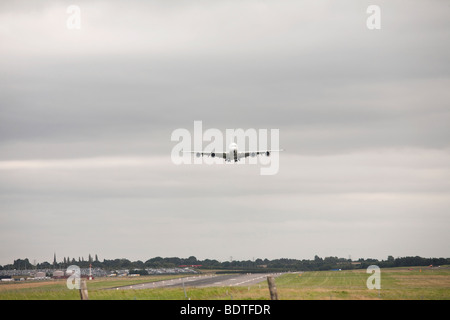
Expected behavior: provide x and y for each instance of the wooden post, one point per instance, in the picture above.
(83, 290)
(272, 288)
(184, 289)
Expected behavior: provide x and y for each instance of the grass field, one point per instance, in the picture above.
(418, 283)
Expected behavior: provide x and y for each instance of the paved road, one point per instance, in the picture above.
(204, 281)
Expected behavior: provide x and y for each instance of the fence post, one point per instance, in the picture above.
(272, 288)
(83, 290)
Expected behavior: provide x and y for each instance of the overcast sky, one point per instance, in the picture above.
(86, 117)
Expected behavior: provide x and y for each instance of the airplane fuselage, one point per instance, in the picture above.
(233, 153)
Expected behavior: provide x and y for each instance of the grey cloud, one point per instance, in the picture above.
(363, 116)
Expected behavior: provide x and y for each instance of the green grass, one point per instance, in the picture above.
(396, 284)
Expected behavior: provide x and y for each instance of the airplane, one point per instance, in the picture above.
(233, 154)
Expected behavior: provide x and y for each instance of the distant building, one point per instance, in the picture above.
(58, 274)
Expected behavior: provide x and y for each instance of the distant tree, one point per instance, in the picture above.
(156, 262)
(44, 265)
(22, 264)
(277, 264)
(191, 260)
(137, 265)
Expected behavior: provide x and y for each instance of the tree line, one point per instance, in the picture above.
(255, 265)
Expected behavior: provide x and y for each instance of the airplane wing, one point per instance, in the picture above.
(212, 154)
(246, 154)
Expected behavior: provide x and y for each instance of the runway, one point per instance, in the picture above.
(203, 281)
